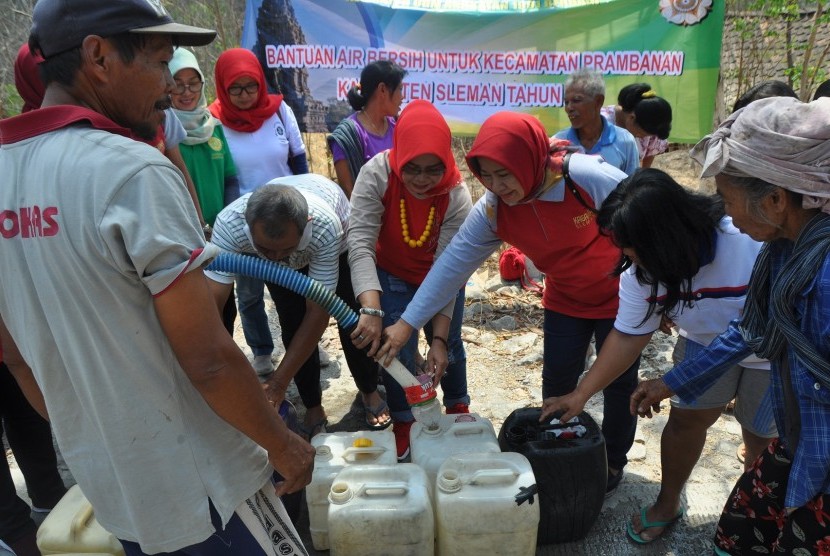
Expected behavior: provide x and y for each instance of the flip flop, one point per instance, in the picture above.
(311, 431)
(376, 411)
(649, 524)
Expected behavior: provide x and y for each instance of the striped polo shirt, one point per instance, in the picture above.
(319, 250)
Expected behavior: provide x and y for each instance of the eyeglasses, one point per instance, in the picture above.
(236, 90)
(412, 171)
(194, 87)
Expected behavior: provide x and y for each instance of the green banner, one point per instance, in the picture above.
(471, 64)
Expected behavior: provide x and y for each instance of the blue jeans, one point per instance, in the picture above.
(396, 296)
(232, 540)
(249, 294)
(566, 343)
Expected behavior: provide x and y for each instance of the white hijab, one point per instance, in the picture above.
(198, 123)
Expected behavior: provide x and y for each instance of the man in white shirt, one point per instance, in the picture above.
(107, 324)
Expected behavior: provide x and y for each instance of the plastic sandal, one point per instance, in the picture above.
(648, 524)
(376, 411)
(311, 431)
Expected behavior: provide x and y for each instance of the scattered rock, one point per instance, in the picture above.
(487, 339)
(477, 311)
(474, 293)
(495, 283)
(508, 290)
(532, 358)
(637, 452)
(503, 323)
(519, 343)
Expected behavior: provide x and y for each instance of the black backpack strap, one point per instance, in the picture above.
(570, 183)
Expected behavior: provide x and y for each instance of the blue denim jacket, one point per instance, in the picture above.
(810, 472)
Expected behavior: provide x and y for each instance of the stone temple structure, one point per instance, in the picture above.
(277, 24)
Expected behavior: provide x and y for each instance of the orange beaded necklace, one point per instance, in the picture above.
(405, 227)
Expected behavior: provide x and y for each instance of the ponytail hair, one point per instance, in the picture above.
(652, 113)
(375, 73)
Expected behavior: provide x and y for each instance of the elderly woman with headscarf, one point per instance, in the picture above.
(407, 204)
(265, 143)
(552, 219)
(771, 162)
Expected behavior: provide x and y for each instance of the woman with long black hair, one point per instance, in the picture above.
(684, 262)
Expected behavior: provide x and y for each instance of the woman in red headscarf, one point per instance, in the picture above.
(265, 143)
(407, 204)
(553, 221)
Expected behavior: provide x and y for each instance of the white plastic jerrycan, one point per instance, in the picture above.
(486, 504)
(334, 452)
(71, 528)
(461, 433)
(380, 510)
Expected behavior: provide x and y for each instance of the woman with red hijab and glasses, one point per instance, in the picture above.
(265, 143)
(552, 220)
(407, 204)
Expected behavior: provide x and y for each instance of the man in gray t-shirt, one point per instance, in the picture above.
(107, 322)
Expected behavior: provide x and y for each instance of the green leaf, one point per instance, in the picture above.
(798, 532)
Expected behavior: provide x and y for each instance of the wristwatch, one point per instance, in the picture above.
(372, 312)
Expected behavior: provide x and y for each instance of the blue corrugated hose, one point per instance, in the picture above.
(263, 269)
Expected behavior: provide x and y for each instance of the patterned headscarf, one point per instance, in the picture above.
(779, 140)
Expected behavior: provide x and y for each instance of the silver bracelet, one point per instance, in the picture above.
(372, 312)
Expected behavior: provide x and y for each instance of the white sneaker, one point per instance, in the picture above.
(324, 357)
(262, 365)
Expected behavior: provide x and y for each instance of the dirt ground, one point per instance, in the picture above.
(504, 373)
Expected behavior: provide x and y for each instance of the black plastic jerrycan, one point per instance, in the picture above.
(571, 473)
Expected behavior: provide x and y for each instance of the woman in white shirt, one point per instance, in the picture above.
(684, 262)
(265, 143)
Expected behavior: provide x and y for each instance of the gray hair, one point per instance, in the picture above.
(755, 191)
(275, 206)
(590, 81)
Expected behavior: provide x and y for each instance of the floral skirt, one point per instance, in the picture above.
(755, 521)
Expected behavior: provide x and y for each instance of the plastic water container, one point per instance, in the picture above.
(486, 504)
(571, 473)
(334, 452)
(71, 528)
(462, 433)
(379, 510)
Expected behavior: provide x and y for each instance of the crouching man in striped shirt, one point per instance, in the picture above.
(301, 221)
